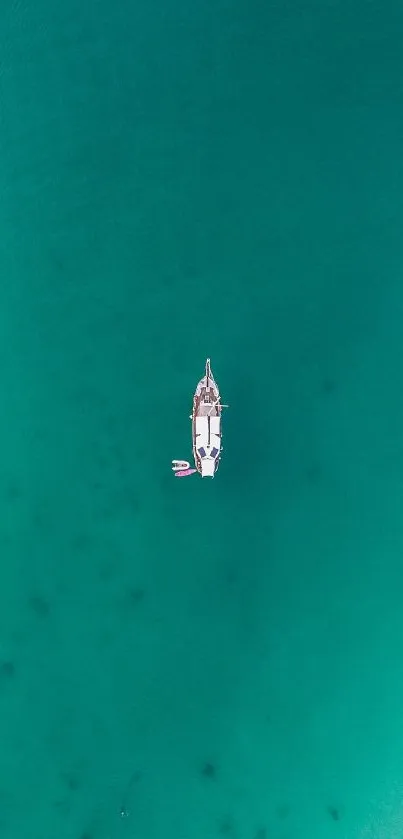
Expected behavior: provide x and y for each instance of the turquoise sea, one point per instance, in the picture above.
(188, 659)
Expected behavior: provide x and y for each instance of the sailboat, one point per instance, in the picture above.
(206, 429)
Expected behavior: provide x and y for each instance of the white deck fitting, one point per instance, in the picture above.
(207, 467)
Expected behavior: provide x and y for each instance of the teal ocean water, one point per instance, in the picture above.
(201, 659)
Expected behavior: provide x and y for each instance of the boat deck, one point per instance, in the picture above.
(208, 404)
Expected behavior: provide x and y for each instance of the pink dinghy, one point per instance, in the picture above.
(206, 429)
(182, 468)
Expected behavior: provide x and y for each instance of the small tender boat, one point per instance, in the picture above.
(206, 429)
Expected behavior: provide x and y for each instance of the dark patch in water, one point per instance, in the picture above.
(13, 493)
(136, 595)
(71, 781)
(39, 605)
(81, 542)
(226, 825)
(7, 671)
(328, 386)
(334, 813)
(209, 770)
